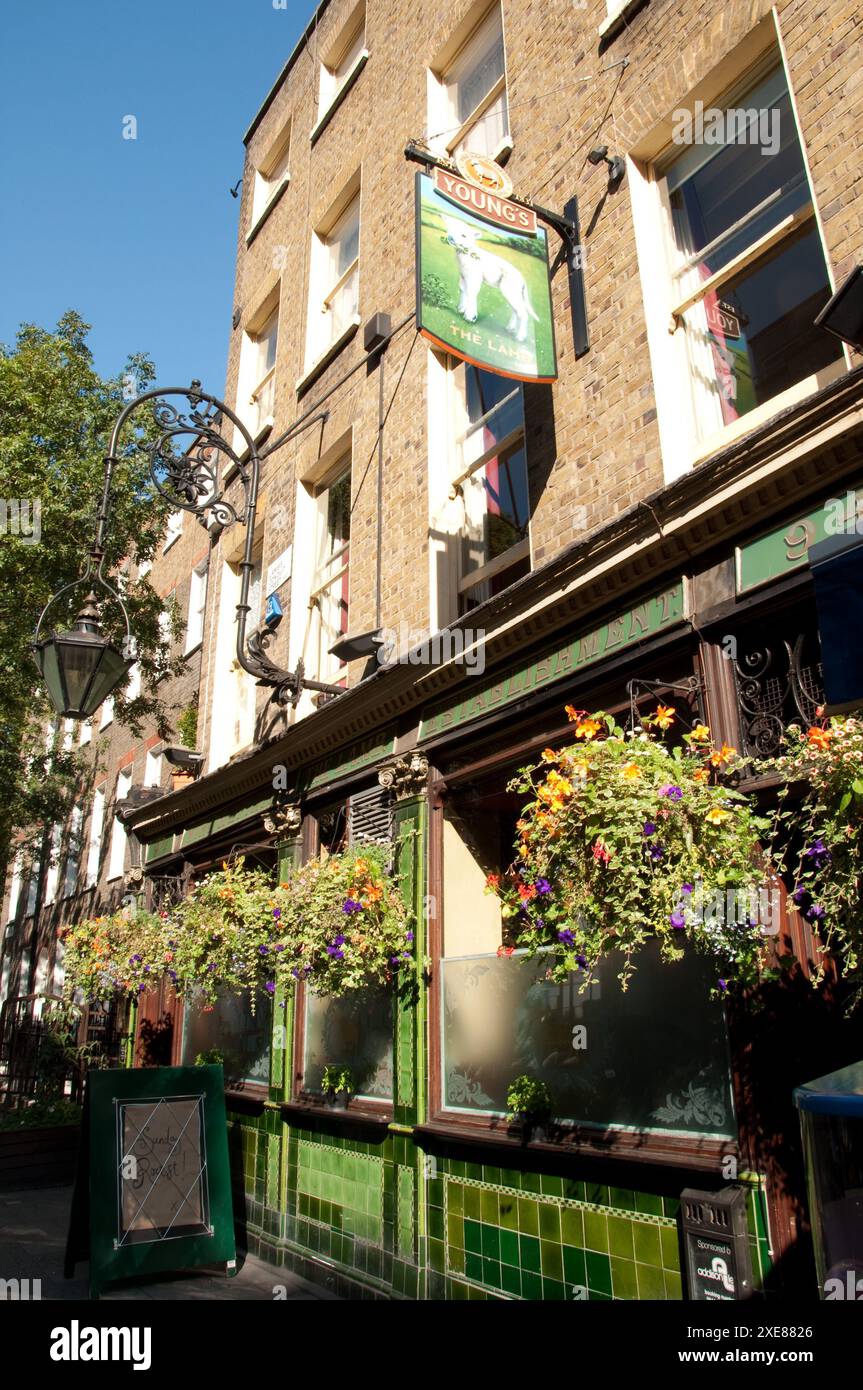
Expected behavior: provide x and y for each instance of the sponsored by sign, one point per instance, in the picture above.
(482, 281)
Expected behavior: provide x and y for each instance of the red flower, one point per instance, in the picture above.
(600, 853)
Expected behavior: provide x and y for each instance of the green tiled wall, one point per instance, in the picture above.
(341, 1189)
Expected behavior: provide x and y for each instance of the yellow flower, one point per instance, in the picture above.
(588, 729)
(549, 755)
(700, 734)
(722, 755)
(701, 774)
(631, 771)
(717, 814)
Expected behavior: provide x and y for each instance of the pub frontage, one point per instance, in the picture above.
(701, 600)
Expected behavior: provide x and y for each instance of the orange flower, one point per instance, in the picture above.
(722, 755)
(526, 891)
(549, 755)
(701, 774)
(492, 882)
(573, 714)
(505, 950)
(700, 734)
(588, 729)
(819, 738)
(631, 771)
(664, 717)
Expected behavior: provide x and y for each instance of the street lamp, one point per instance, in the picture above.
(81, 667)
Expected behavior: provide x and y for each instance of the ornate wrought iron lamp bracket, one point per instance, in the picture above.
(188, 458)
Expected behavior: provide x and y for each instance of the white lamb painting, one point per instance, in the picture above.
(478, 268)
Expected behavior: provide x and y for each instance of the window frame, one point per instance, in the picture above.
(198, 583)
(119, 836)
(683, 444)
(271, 178)
(620, 1145)
(445, 137)
(336, 566)
(322, 346)
(94, 837)
(340, 66)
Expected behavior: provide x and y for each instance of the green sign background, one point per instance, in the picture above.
(490, 342)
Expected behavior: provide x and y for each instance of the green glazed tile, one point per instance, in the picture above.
(455, 1197)
(491, 1272)
(531, 1285)
(510, 1277)
(598, 1273)
(491, 1175)
(551, 1260)
(572, 1226)
(574, 1266)
(595, 1231)
(673, 1284)
(473, 1237)
(598, 1297)
(651, 1283)
(473, 1267)
(623, 1279)
(620, 1237)
(551, 1186)
(528, 1217)
(436, 1255)
(435, 1223)
(529, 1253)
(531, 1182)
(646, 1241)
(472, 1202)
(622, 1197)
(509, 1212)
(596, 1193)
(489, 1207)
(509, 1248)
(455, 1230)
(456, 1260)
(554, 1289)
(573, 1190)
(669, 1247)
(490, 1242)
(671, 1206)
(649, 1203)
(549, 1222)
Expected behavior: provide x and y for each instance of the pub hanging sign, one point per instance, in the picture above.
(482, 281)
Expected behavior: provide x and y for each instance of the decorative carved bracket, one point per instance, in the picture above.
(283, 819)
(404, 777)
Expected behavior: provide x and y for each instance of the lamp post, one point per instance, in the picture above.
(81, 667)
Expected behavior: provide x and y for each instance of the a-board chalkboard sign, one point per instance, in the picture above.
(715, 1245)
(153, 1191)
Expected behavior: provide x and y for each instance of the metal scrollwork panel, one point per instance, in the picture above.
(774, 691)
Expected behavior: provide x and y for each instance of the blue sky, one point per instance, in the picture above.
(138, 235)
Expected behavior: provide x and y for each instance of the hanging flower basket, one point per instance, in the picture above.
(623, 839)
(818, 837)
(119, 954)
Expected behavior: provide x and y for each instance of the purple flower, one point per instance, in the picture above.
(146, 969)
(173, 975)
(814, 913)
(649, 828)
(212, 965)
(133, 960)
(677, 920)
(263, 950)
(141, 988)
(687, 888)
(817, 848)
(542, 886)
(295, 972)
(277, 912)
(336, 952)
(723, 985)
(656, 852)
(394, 960)
(673, 793)
(409, 936)
(582, 961)
(339, 940)
(799, 894)
(567, 938)
(270, 986)
(351, 905)
(278, 948)
(539, 923)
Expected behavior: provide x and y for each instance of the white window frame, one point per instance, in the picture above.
(272, 177)
(173, 529)
(119, 838)
(94, 847)
(683, 444)
(234, 717)
(72, 866)
(15, 884)
(52, 873)
(448, 134)
(329, 574)
(153, 768)
(197, 607)
(86, 735)
(133, 684)
(342, 61)
(328, 284)
(106, 715)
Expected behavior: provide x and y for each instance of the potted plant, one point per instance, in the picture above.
(529, 1105)
(337, 1084)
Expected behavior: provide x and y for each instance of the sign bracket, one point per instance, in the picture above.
(566, 226)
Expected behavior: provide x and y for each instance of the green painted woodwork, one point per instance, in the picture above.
(784, 550)
(646, 619)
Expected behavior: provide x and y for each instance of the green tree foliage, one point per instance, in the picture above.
(56, 415)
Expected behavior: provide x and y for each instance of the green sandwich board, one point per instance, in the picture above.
(153, 1189)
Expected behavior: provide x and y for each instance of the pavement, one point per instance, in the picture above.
(33, 1227)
